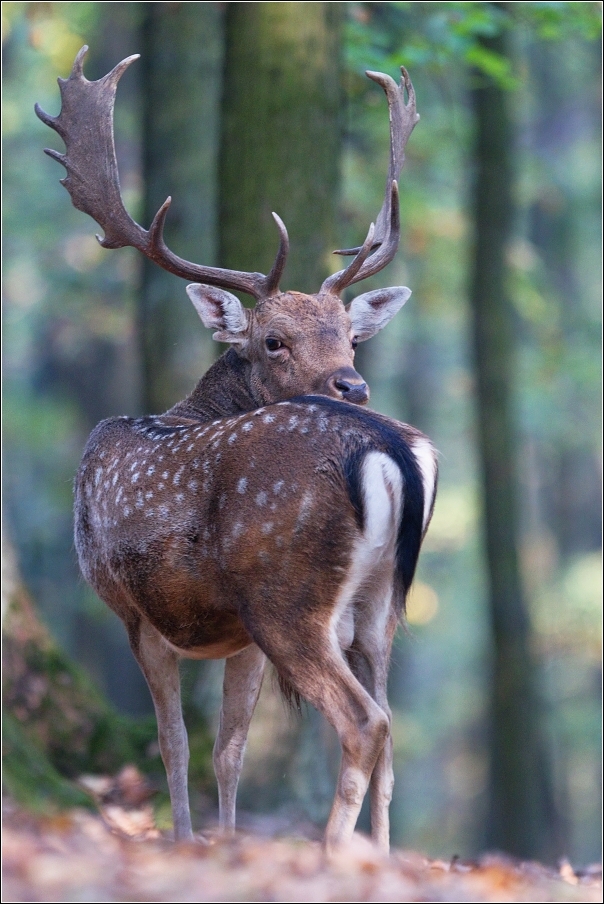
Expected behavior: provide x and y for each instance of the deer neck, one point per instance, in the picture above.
(222, 391)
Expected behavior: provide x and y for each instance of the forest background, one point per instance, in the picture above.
(239, 109)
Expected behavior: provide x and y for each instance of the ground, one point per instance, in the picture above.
(118, 854)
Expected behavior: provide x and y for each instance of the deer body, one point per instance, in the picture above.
(289, 530)
(267, 515)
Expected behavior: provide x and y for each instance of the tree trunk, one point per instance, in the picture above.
(521, 817)
(281, 137)
(181, 53)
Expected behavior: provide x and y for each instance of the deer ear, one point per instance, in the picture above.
(371, 312)
(221, 311)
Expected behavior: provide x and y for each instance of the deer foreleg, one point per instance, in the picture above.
(159, 665)
(242, 682)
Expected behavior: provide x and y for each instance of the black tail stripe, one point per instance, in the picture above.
(376, 433)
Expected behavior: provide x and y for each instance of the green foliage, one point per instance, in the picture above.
(438, 36)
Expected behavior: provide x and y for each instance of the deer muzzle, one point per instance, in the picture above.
(349, 386)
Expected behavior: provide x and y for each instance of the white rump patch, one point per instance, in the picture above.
(372, 563)
(383, 487)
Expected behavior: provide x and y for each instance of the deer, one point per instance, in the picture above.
(269, 515)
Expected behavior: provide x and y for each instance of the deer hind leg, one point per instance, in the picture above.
(307, 653)
(325, 680)
(370, 657)
(375, 618)
(242, 682)
(159, 665)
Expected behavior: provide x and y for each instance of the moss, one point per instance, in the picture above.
(29, 776)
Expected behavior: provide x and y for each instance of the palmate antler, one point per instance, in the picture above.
(384, 239)
(85, 124)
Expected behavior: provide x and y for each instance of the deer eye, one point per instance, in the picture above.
(355, 342)
(272, 344)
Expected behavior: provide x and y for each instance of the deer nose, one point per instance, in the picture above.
(350, 385)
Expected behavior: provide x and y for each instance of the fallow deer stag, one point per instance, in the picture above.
(265, 516)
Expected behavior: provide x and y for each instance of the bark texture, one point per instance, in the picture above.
(280, 137)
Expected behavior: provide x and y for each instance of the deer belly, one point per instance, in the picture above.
(218, 650)
(195, 619)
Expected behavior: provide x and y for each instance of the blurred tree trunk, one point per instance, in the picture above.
(281, 137)
(181, 53)
(280, 151)
(521, 818)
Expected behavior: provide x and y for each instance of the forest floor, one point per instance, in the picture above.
(118, 854)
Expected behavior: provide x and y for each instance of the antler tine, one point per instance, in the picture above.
(272, 280)
(334, 282)
(85, 123)
(403, 118)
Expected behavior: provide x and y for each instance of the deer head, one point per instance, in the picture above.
(294, 343)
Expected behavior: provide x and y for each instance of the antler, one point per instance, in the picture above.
(386, 236)
(85, 124)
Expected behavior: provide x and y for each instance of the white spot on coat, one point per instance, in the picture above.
(304, 510)
(242, 485)
(261, 498)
